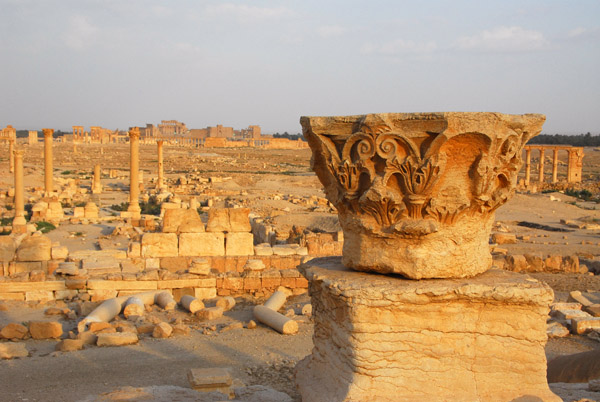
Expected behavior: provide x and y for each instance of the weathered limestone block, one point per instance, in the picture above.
(91, 210)
(238, 220)
(228, 220)
(117, 339)
(202, 244)
(14, 330)
(35, 248)
(45, 329)
(218, 220)
(416, 193)
(391, 339)
(182, 221)
(237, 243)
(8, 248)
(159, 245)
(59, 252)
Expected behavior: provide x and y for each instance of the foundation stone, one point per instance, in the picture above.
(392, 339)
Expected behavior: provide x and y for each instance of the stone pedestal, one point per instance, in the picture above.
(385, 338)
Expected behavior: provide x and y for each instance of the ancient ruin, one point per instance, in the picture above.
(403, 190)
(574, 164)
(48, 170)
(416, 195)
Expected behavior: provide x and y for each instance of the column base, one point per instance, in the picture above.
(385, 338)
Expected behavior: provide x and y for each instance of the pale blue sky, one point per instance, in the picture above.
(123, 63)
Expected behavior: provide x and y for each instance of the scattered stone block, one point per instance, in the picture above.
(117, 339)
(14, 331)
(565, 315)
(210, 313)
(578, 297)
(251, 324)
(87, 337)
(45, 329)
(162, 330)
(69, 345)
(13, 350)
(504, 238)
(593, 310)
(582, 325)
(556, 330)
(210, 379)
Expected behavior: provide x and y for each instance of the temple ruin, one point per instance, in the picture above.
(574, 163)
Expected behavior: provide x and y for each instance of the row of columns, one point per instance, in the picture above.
(573, 168)
(16, 166)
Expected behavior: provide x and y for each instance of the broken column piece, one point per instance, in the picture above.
(275, 320)
(133, 306)
(276, 301)
(191, 304)
(165, 300)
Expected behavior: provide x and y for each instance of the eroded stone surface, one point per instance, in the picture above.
(392, 339)
(416, 193)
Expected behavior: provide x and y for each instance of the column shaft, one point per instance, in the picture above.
(19, 190)
(555, 166)
(11, 157)
(48, 159)
(134, 167)
(527, 166)
(541, 165)
(160, 180)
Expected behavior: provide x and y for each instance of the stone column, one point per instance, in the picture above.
(555, 165)
(575, 165)
(159, 183)
(134, 166)
(19, 219)
(527, 166)
(11, 156)
(96, 185)
(48, 159)
(541, 166)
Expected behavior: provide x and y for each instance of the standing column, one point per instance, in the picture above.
(134, 166)
(11, 156)
(159, 183)
(541, 165)
(555, 166)
(19, 219)
(96, 185)
(527, 166)
(48, 159)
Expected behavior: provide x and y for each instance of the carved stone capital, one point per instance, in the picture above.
(48, 132)
(134, 133)
(416, 193)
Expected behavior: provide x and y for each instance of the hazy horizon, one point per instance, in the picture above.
(119, 64)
